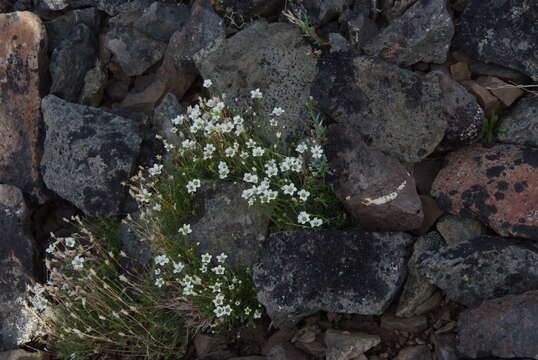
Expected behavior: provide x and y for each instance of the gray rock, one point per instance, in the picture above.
(483, 268)
(285, 351)
(60, 28)
(462, 111)
(319, 12)
(353, 90)
(412, 324)
(445, 346)
(504, 327)
(18, 323)
(161, 20)
(502, 32)
(225, 223)
(70, 62)
(481, 69)
(344, 345)
(522, 123)
(297, 275)
(19, 354)
(338, 42)
(135, 247)
(111, 7)
(163, 114)
(455, 229)
(359, 28)
(88, 153)
(242, 11)
(420, 352)
(94, 86)
(376, 189)
(266, 56)
(393, 9)
(422, 33)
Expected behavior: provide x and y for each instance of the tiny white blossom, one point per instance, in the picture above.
(219, 311)
(155, 170)
(277, 111)
(317, 151)
(251, 143)
(206, 258)
(250, 178)
(219, 270)
(316, 222)
(178, 267)
(301, 148)
(159, 282)
(273, 122)
(303, 194)
(227, 310)
(222, 257)
(256, 94)
(78, 262)
(161, 260)
(243, 155)
(303, 217)
(157, 207)
(178, 120)
(258, 151)
(278, 134)
(69, 241)
(185, 229)
(289, 189)
(224, 171)
(247, 310)
(208, 83)
(189, 290)
(193, 185)
(257, 314)
(50, 249)
(209, 149)
(238, 120)
(271, 169)
(188, 144)
(218, 300)
(157, 271)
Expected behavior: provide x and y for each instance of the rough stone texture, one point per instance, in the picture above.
(375, 189)
(111, 7)
(17, 322)
(412, 324)
(431, 214)
(19, 354)
(136, 248)
(503, 91)
(23, 47)
(503, 191)
(88, 153)
(60, 28)
(393, 9)
(522, 123)
(359, 28)
(227, 224)
(501, 32)
(479, 68)
(483, 268)
(460, 71)
(455, 229)
(319, 12)
(419, 352)
(271, 57)
(70, 62)
(161, 20)
(422, 33)
(445, 347)
(244, 10)
(344, 345)
(504, 327)
(94, 86)
(167, 110)
(353, 90)
(146, 99)
(285, 351)
(360, 275)
(462, 111)
(177, 70)
(485, 98)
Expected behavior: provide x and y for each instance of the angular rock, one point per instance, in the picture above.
(94, 86)
(266, 56)
(445, 346)
(61, 28)
(503, 191)
(412, 324)
(422, 33)
(319, 12)
(485, 98)
(376, 189)
(521, 123)
(462, 111)
(177, 70)
(17, 322)
(111, 7)
(460, 71)
(479, 68)
(504, 327)
(431, 214)
(285, 352)
(502, 33)
(455, 229)
(483, 268)
(88, 153)
(161, 20)
(343, 345)
(359, 29)
(393, 9)
(505, 92)
(227, 224)
(146, 99)
(353, 90)
(23, 51)
(163, 114)
(419, 352)
(19, 354)
(361, 274)
(338, 42)
(245, 10)
(70, 62)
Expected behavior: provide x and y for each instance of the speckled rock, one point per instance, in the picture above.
(227, 224)
(375, 189)
(422, 33)
(393, 9)
(455, 229)
(23, 48)
(419, 352)
(111, 7)
(483, 268)
(17, 322)
(501, 32)
(504, 327)
(521, 123)
(360, 275)
(345, 345)
(319, 12)
(244, 10)
(61, 27)
(163, 114)
(271, 57)
(94, 86)
(503, 191)
(88, 153)
(353, 90)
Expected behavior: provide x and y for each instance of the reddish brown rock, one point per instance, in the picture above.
(505, 92)
(23, 46)
(497, 185)
(485, 98)
(460, 71)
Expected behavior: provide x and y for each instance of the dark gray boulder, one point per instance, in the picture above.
(111, 7)
(356, 272)
(88, 154)
(354, 90)
(521, 123)
(455, 229)
(483, 268)
(501, 32)
(60, 28)
(164, 113)
(422, 33)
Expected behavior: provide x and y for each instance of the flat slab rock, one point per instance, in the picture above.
(88, 154)
(501, 32)
(23, 48)
(304, 271)
(502, 191)
(504, 327)
(353, 90)
(521, 123)
(483, 268)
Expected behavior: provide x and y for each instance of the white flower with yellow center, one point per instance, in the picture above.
(303, 217)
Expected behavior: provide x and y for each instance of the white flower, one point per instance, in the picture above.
(209, 149)
(219, 311)
(218, 300)
(78, 262)
(258, 151)
(250, 178)
(178, 267)
(155, 170)
(303, 217)
(223, 170)
(257, 314)
(159, 282)
(238, 120)
(278, 134)
(69, 241)
(157, 207)
(289, 189)
(50, 249)
(157, 271)
(189, 290)
(161, 260)
(273, 122)
(256, 94)
(247, 193)
(230, 151)
(251, 143)
(178, 120)
(301, 148)
(193, 185)
(243, 155)
(219, 270)
(123, 278)
(225, 127)
(296, 164)
(203, 268)
(206, 258)
(277, 111)
(208, 83)
(185, 229)
(303, 195)
(316, 222)
(222, 257)
(317, 151)
(231, 286)
(227, 310)
(247, 310)
(271, 169)
(188, 144)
